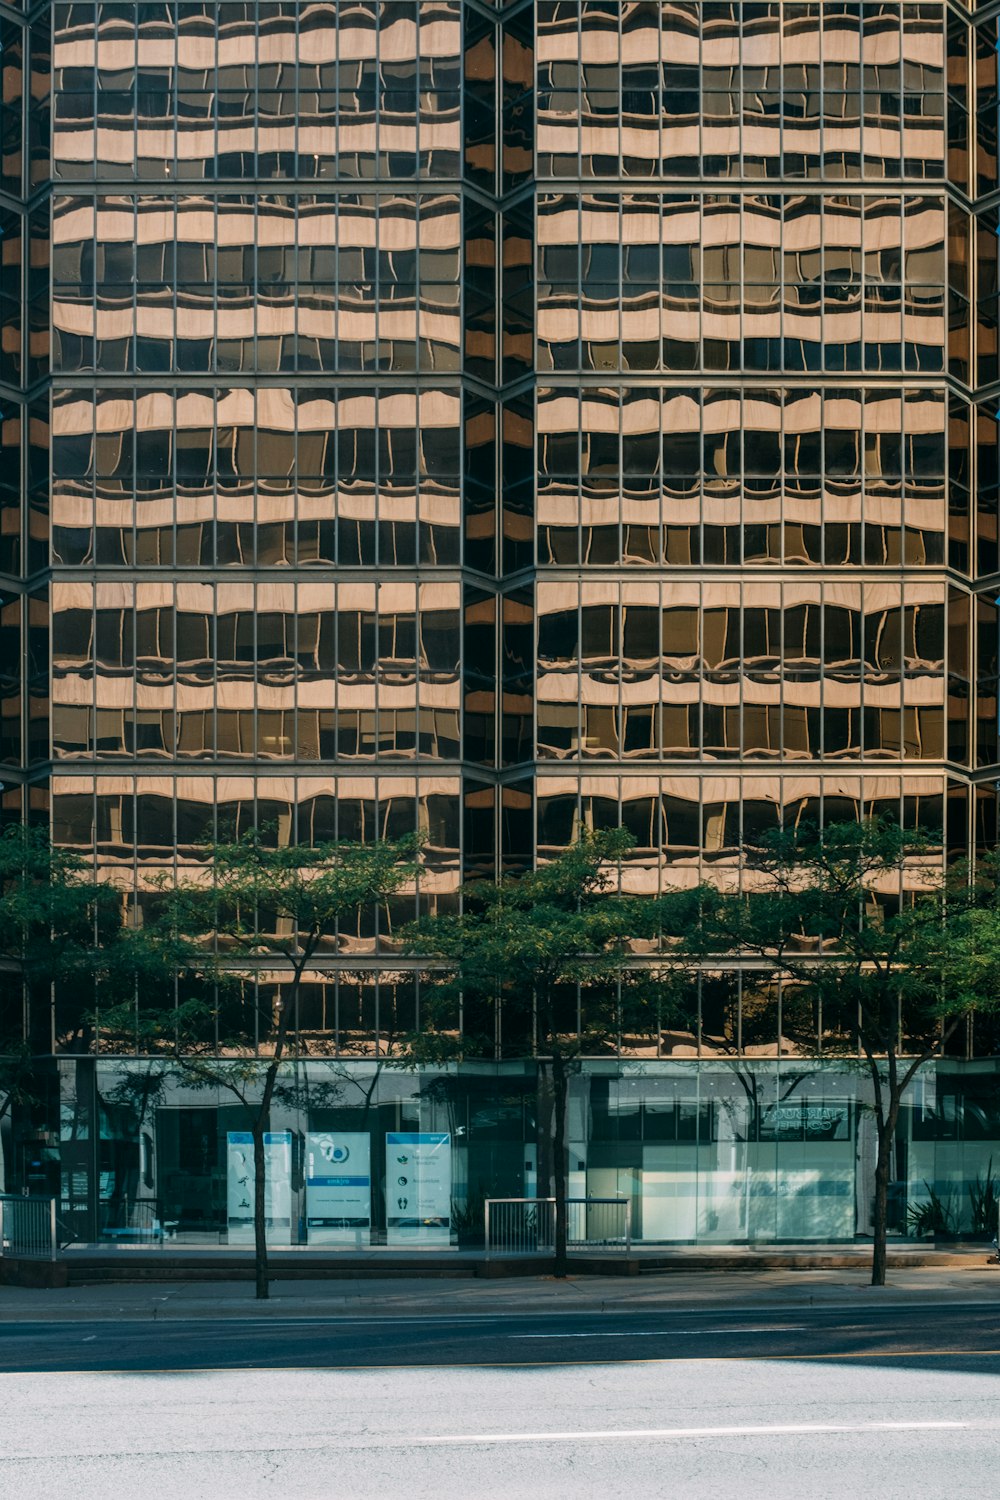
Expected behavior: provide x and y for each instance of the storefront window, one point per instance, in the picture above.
(368, 1154)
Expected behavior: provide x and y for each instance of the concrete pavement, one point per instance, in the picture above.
(701, 1429)
(974, 1282)
(691, 1385)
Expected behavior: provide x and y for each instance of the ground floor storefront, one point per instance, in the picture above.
(368, 1153)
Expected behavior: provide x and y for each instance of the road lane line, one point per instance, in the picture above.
(662, 1333)
(265, 1368)
(783, 1430)
(887, 1312)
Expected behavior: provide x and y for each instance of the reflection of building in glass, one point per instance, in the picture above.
(500, 424)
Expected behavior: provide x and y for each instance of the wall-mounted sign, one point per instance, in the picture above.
(418, 1188)
(338, 1188)
(811, 1122)
(277, 1186)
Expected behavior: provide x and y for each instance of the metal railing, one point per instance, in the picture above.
(527, 1226)
(599, 1223)
(28, 1227)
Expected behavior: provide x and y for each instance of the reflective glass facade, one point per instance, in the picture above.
(500, 422)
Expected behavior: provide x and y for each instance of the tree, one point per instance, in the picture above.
(58, 929)
(858, 929)
(255, 908)
(521, 947)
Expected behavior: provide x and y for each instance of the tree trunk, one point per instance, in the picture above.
(886, 1136)
(559, 1091)
(881, 1215)
(259, 1216)
(260, 1125)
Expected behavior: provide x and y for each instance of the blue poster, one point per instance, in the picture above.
(418, 1188)
(338, 1188)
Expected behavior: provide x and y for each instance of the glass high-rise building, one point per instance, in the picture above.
(501, 423)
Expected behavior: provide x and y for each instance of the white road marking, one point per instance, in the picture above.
(790, 1430)
(661, 1333)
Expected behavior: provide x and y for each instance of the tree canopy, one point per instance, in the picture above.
(58, 929)
(253, 907)
(524, 946)
(516, 957)
(864, 942)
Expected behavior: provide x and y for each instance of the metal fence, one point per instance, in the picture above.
(599, 1223)
(28, 1227)
(527, 1226)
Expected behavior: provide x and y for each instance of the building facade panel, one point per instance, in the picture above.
(499, 424)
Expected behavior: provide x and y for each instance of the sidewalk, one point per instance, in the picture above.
(416, 1297)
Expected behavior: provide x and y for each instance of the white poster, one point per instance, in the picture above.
(418, 1188)
(277, 1186)
(338, 1188)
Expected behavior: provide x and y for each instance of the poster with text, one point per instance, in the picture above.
(418, 1188)
(277, 1186)
(338, 1188)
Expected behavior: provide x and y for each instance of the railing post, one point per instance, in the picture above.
(53, 1244)
(486, 1227)
(628, 1226)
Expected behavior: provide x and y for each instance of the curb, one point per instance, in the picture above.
(157, 1269)
(861, 1299)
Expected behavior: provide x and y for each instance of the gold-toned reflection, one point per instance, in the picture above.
(719, 477)
(751, 91)
(723, 670)
(307, 672)
(261, 283)
(359, 476)
(796, 282)
(135, 826)
(705, 526)
(350, 90)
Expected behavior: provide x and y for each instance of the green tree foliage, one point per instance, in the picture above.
(58, 928)
(521, 948)
(868, 945)
(253, 907)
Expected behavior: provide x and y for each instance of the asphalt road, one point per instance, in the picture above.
(951, 1334)
(894, 1402)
